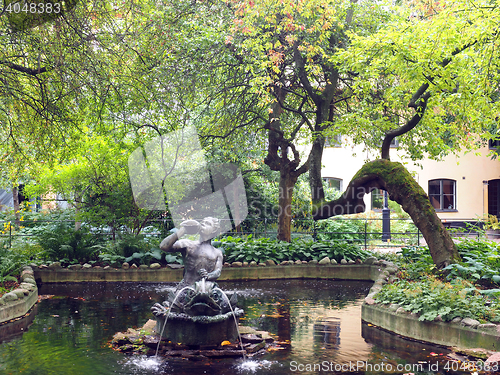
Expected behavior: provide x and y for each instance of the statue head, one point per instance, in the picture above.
(209, 228)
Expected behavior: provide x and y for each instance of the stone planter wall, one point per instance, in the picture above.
(18, 302)
(369, 271)
(462, 333)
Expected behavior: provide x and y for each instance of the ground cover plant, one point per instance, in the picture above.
(248, 249)
(468, 289)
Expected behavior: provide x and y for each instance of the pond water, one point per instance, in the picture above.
(70, 332)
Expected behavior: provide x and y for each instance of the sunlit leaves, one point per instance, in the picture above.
(450, 48)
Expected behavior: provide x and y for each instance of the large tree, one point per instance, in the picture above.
(430, 81)
(96, 70)
(279, 76)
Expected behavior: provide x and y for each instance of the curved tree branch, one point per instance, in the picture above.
(402, 188)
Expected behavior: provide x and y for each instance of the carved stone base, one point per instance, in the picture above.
(190, 332)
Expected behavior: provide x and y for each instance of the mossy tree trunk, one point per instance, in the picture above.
(402, 188)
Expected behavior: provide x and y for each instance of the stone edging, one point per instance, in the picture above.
(463, 333)
(369, 270)
(19, 301)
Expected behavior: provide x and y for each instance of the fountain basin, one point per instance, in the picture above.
(199, 330)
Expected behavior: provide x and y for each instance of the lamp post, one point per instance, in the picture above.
(386, 220)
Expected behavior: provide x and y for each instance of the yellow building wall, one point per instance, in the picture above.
(468, 170)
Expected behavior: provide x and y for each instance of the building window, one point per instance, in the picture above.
(394, 143)
(377, 199)
(442, 194)
(335, 141)
(494, 144)
(332, 182)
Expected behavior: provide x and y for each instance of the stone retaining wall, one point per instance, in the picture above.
(367, 272)
(462, 333)
(18, 302)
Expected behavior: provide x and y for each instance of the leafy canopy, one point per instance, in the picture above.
(448, 53)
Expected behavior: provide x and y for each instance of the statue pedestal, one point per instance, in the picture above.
(199, 330)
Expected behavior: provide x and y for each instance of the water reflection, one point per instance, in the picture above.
(327, 332)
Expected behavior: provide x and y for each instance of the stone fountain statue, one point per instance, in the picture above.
(199, 312)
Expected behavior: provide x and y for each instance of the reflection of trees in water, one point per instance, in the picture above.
(385, 344)
(286, 308)
(327, 333)
(297, 304)
(76, 322)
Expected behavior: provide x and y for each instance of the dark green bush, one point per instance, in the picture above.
(136, 250)
(10, 264)
(431, 297)
(416, 262)
(481, 262)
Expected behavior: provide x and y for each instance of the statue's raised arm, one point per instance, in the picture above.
(186, 227)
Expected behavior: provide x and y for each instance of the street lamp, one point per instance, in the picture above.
(386, 220)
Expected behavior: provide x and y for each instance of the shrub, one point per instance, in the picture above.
(248, 249)
(340, 229)
(63, 243)
(415, 262)
(432, 297)
(10, 264)
(138, 250)
(481, 262)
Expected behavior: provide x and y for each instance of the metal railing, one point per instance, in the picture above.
(363, 231)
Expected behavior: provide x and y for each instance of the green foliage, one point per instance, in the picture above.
(10, 264)
(456, 291)
(352, 230)
(23, 239)
(491, 222)
(416, 263)
(113, 260)
(448, 56)
(248, 249)
(481, 262)
(431, 297)
(135, 250)
(64, 243)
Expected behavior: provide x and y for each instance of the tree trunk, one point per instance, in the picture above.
(277, 159)
(78, 203)
(17, 205)
(315, 180)
(402, 188)
(287, 182)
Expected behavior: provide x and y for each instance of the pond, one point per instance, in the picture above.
(71, 330)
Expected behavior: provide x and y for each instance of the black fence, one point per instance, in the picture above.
(366, 232)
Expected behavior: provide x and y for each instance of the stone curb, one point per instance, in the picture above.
(463, 333)
(369, 270)
(18, 302)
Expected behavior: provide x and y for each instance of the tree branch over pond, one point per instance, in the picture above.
(403, 189)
